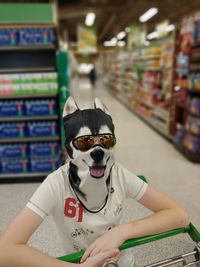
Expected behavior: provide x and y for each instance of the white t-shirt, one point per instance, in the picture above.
(78, 228)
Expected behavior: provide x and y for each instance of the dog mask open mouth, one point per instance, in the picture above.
(97, 171)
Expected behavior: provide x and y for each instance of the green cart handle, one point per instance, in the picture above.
(190, 229)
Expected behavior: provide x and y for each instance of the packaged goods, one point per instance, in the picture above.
(14, 166)
(193, 125)
(192, 143)
(36, 129)
(179, 135)
(44, 164)
(11, 108)
(12, 130)
(13, 151)
(49, 149)
(40, 107)
(194, 106)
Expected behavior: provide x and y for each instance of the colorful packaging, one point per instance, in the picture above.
(13, 151)
(44, 164)
(192, 143)
(195, 106)
(12, 130)
(36, 129)
(49, 149)
(11, 108)
(40, 107)
(193, 125)
(14, 166)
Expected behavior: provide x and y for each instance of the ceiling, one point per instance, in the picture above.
(112, 16)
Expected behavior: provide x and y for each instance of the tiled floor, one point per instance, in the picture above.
(143, 151)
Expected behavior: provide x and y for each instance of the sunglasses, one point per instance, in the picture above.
(84, 143)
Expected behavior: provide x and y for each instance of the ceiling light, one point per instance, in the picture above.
(108, 43)
(121, 43)
(170, 27)
(146, 43)
(152, 35)
(121, 35)
(90, 18)
(148, 14)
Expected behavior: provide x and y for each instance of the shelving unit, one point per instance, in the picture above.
(30, 125)
(187, 87)
(143, 80)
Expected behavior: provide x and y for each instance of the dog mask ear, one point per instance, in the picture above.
(70, 106)
(100, 105)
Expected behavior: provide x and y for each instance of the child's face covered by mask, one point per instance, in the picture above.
(89, 142)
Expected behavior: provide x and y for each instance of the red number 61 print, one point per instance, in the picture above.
(73, 209)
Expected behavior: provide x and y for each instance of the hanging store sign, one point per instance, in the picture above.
(87, 39)
(136, 36)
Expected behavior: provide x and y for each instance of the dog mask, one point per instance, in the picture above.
(89, 171)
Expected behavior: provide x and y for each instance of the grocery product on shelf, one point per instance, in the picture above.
(143, 79)
(187, 88)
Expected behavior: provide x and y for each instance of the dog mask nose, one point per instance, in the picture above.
(97, 155)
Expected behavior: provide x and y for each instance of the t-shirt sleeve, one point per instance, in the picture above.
(43, 200)
(132, 185)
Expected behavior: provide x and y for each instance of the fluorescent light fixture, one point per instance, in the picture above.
(152, 35)
(121, 35)
(112, 42)
(121, 43)
(170, 27)
(148, 14)
(146, 43)
(90, 18)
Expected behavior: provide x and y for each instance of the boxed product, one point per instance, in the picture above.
(193, 125)
(11, 108)
(40, 107)
(192, 143)
(13, 151)
(14, 166)
(36, 129)
(44, 164)
(195, 106)
(49, 149)
(12, 130)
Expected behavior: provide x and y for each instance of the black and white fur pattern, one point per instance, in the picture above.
(92, 191)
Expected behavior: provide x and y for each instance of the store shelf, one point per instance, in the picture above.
(26, 70)
(27, 47)
(149, 121)
(29, 139)
(29, 118)
(23, 177)
(23, 96)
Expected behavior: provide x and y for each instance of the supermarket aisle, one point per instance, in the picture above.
(141, 150)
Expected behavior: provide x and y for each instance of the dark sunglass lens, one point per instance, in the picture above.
(107, 141)
(84, 143)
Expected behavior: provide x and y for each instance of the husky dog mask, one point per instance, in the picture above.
(89, 171)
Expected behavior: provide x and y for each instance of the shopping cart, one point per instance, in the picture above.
(191, 258)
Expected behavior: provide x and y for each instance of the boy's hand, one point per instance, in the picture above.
(100, 258)
(110, 240)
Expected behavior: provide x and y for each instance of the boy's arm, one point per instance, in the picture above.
(14, 251)
(167, 215)
(13, 248)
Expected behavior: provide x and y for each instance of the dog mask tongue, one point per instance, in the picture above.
(89, 177)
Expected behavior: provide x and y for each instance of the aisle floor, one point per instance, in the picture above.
(141, 150)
